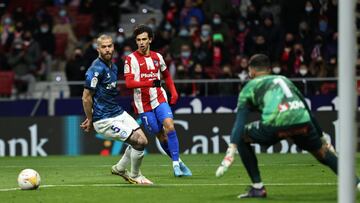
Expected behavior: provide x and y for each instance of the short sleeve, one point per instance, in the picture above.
(92, 77)
(162, 63)
(127, 65)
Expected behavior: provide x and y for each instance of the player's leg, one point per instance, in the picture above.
(138, 142)
(125, 128)
(165, 116)
(120, 167)
(110, 128)
(312, 142)
(255, 132)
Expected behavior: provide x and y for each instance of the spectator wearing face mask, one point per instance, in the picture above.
(91, 52)
(307, 88)
(198, 89)
(226, 88)
(120, 41)
(223, 8)
(186, 57)
(63, 26)
(297, 57)
(221, 27)
(260, 45)
(243, 37)
(21, 63)
(7, 29)
(184, 89)
(46, 38)
(202, 46)
(272, 34)
(75, 70)
(276, 70)
(305, 36)
(311, 15)
(220, 53)
(183, 37)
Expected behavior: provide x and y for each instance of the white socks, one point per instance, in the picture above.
(125, 159)
(136, 160)
(176, 163)
(258, 185)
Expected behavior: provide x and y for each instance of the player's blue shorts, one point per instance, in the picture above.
(152, 120)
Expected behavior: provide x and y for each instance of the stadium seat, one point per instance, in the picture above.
(29, 7)
(6, 83)
(83, 25)
(61, 40)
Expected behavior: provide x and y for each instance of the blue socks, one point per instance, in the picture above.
(165, 147)
(173, 145)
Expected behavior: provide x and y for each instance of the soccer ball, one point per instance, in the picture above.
(28, 179)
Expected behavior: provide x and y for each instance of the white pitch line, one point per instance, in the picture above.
(176, 185)
(160, 165)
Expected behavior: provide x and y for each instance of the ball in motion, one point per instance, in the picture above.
(29, 179)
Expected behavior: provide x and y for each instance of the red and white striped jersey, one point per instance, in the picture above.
(146, 68)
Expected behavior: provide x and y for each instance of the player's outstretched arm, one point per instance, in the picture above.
(227, 161)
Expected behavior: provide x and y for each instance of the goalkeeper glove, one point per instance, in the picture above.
(156, 83)
(226, 162)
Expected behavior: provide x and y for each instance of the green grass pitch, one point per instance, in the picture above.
(288, 178)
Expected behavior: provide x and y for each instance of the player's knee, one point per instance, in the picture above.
(143, 141)
(169, 129)
(168, 124)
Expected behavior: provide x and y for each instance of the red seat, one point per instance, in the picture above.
(83, 25)
(6, 82)
(61, 40)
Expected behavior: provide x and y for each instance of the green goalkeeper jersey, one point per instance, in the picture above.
(277, 98)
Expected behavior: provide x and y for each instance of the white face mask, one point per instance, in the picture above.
(303, 71)
(276, 70)
(120, 39)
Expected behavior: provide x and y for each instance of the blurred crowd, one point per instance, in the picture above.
(199, 39)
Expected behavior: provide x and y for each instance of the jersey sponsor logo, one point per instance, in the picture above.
(126, 68)
(148, 75)
(293, 105)
(111, 85)
(94, 82)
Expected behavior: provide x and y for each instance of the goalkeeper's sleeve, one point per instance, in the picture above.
(239, 125)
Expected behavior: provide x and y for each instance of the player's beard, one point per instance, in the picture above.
(107, 56)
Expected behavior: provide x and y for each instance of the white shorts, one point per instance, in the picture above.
(118, 128)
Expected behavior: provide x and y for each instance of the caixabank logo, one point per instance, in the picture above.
(31, 136)
(28, 144)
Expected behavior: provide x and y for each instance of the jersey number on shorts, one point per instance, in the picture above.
(284, 87)
(115, 129)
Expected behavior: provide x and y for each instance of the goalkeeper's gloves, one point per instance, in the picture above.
(156, 83)
(326, 140)
(226, 162)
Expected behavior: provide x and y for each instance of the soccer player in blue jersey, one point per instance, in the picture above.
(108, 118)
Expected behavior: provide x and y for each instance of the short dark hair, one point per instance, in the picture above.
(141, 29)
(259, 62)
